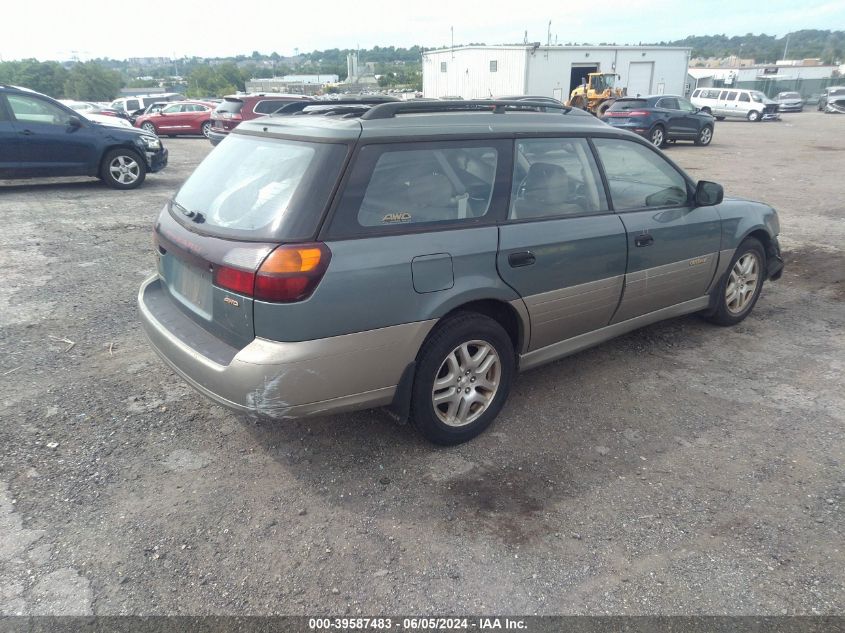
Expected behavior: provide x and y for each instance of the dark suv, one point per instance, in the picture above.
(418, 255)
(40, 137)
(236, 108)
(661, 119)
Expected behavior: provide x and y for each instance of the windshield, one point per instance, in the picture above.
(262, 188)
(789, 95)
(232, 106)
(597, 82)
(837, 92)
(757, 96)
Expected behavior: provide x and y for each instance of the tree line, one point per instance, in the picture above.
(767, 49)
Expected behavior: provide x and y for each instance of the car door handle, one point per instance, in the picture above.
(643, 240)
(27, 132)
(525, 258)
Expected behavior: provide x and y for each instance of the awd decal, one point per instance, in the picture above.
(230, 301)
(403, 216)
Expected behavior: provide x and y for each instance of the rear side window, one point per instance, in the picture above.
(743, 96)
(268, 106)
(669, 103)
(418, 184)
(624, 105)
(266, 189)
(731, 96)
(555, 177)
(639, 177)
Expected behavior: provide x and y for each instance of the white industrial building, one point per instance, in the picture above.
(480, 72)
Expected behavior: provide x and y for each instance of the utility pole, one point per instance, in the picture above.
(786, 48)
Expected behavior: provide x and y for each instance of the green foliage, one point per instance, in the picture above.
(142, 83)
(215, 81)
(45, 77)
(89, 81)
(767, 49)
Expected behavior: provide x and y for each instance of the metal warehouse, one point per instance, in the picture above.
(479, 72)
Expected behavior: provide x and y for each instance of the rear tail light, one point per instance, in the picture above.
(288, 274)
(626, 113)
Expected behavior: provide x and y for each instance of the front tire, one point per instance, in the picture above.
(657, 136)
(123, 169)
(704, 136)
(739, 289)
(753, 116)
(463, 377)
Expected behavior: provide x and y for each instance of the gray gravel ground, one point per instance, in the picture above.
(681, 469)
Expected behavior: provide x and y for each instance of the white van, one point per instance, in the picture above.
(136, 104)
(725, 102)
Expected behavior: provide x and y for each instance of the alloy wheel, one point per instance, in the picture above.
(742, 283)
(466, 383)
(124, 169)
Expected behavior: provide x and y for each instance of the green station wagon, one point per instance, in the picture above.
(417, 255)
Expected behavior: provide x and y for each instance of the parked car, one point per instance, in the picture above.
(244, 107)
(150, 109)
(419, 254)
(745, 104)
(181, 117)
(661, 118)
(135, 105)
(790, 102)
(832, 99)
(94, 112)
(41, 137)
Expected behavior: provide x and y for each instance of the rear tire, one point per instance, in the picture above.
(740, 286)
(704, 136)
(463, 377)
(657, 136)
(720, 118)
(206, 129)
(123, 169)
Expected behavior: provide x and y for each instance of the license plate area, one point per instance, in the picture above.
(190, 285)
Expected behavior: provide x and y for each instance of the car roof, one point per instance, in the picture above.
(265, 95)
(436, 122)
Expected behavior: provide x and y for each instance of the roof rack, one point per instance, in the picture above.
(325, 107)
(390, 110)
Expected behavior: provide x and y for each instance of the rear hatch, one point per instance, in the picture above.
(623, 110)
(228, 237)
(227, 114)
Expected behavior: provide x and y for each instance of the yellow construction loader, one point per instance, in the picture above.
(596, 93)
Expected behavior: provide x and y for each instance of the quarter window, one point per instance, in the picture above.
(33, 110)
(418, 184)
(639, 177)
(555, 177)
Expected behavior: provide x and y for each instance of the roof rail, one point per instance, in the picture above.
(330, 105)
(390, 110)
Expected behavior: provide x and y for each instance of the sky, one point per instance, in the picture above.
(88, 29)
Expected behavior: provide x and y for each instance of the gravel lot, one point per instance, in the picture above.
(682, 469)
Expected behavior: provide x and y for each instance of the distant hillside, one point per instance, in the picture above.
(829, 45)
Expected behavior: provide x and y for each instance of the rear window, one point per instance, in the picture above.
(264, 189)
(269, 106)
(624, 105)
(232, 106)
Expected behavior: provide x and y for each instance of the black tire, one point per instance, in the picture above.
(149, 127)
(604, 106)
(205, 129)
(721, 314)
(657, 136)
(720, 118)
(704, 136)
(171, 136)
(706, 110)
(579, 102)
(130, 178)
(753, 116)
(463, 327)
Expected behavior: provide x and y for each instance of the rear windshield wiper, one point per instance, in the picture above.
(196, 216)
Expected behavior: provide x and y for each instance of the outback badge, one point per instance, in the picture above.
(697, 261)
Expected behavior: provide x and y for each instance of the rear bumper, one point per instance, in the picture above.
(215, 136)
(278, 379)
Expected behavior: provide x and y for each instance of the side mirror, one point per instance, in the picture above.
(74, 121)
(708, 194)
